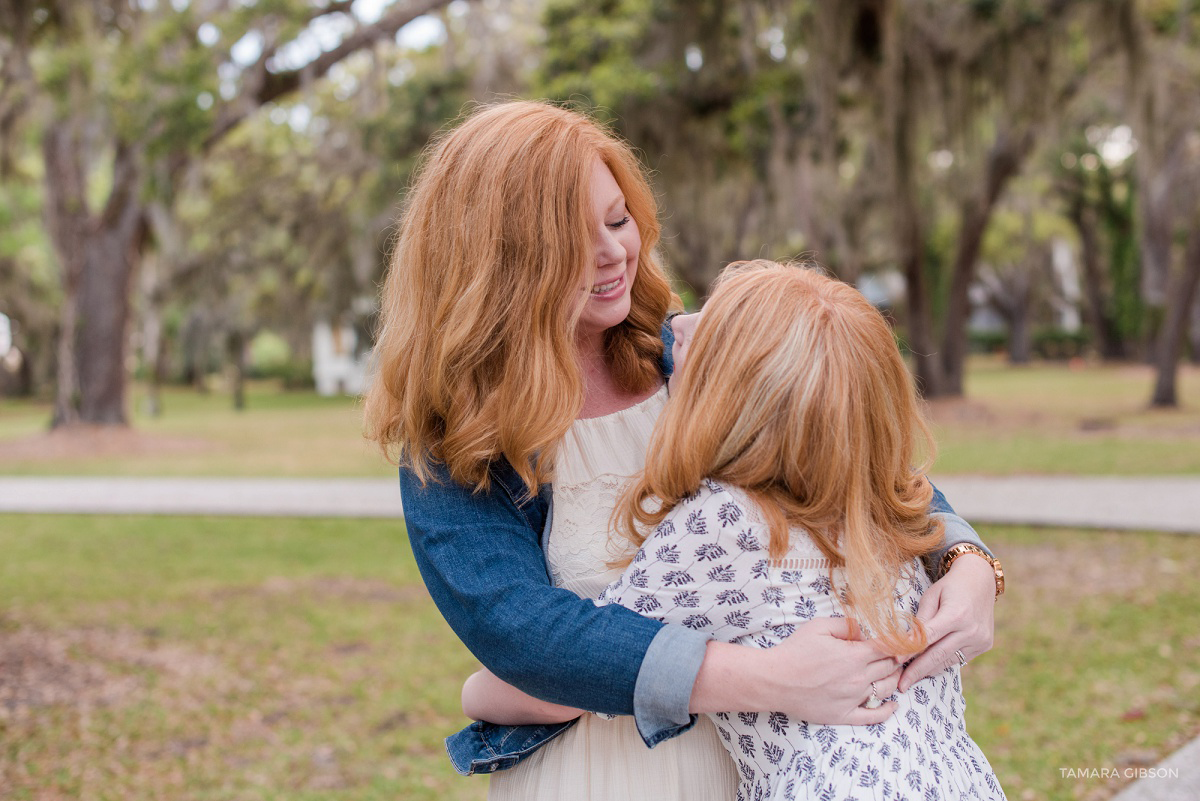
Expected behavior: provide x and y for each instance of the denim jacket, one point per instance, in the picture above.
(480, 555)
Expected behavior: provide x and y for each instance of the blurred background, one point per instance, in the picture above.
(196, 204)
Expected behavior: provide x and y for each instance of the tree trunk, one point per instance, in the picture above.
(975, 218)
(1108, 339)
(67, 223)
(1194, 332)
(97, 253)
(236, 344)
(152, 334)
(906, 211)
(103, 301)
(1004, 162)
(1170, 341)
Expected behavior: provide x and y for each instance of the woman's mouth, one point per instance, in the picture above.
(609, 288)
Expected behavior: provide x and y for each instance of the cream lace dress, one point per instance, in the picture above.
(600, 759)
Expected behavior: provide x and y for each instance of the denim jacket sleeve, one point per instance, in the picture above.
(480, 557)
(957, 531)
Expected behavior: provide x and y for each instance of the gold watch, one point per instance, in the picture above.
(956, 551)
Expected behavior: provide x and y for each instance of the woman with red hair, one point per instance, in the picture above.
(520, 367)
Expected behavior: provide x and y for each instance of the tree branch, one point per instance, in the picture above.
(278, 84)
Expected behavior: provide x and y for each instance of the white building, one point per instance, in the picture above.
(339, 364)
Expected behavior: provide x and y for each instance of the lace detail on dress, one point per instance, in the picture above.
(580, 545)
(597, 458)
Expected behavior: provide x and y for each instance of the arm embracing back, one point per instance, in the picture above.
(480, 558)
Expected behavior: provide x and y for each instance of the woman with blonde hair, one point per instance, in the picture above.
(521, 363)
(779, 488)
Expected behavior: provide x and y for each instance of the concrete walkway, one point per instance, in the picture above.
(1177, 778)
(1165, 503)
(1156, 504)
(275, 497)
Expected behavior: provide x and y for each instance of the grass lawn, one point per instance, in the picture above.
(1047, 418)
(278, 434)
(1055, 419)
(219, 658)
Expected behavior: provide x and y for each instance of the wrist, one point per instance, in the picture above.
(980, 560)
(733, 677)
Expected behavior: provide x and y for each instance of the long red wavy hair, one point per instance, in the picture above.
(475, 358)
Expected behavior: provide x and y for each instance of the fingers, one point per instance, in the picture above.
(930, 604)
(936, 659)
(881, 669)
(886, 685)
(840, 627)
(861, 716)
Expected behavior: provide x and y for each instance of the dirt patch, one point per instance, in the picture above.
(87, 442)
(331, 587)
(85, 667)
(1052, 570)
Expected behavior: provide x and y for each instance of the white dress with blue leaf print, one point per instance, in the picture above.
(706, 567)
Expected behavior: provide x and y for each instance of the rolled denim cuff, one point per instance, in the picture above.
(664, 684)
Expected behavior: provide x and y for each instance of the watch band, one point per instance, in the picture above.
(956, 551)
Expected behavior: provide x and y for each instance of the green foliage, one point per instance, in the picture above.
(160, 75)
(593, 52)
(1089, 181)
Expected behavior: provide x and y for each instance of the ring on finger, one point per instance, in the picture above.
(873, 702)
(962, 660)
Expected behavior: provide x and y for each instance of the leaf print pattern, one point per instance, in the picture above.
(688, 599)
(731, 597)
(783, 630)
(748, 542)
(646, 604)
(738, 619)
(729, 513)
(821, 585)
(675, 578)
(668, 554)
(723, 573)
(704, 568)
(805, 608)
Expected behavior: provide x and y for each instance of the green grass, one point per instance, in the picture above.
(1055, 419)
(278, 434)
(197, 658)
(218, 658)
(1047, 418)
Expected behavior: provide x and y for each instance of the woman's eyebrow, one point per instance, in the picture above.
(619, 200)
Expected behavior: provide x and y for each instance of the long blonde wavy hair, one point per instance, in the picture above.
(794, 391)
(476, 358)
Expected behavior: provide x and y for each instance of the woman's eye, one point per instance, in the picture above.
(621, 223)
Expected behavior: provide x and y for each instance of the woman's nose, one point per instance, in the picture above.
(609, 250)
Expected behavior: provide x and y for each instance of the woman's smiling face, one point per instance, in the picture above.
(616, 242)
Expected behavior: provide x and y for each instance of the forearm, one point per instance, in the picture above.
(486, 697)
(484, 568)
(722, 685)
